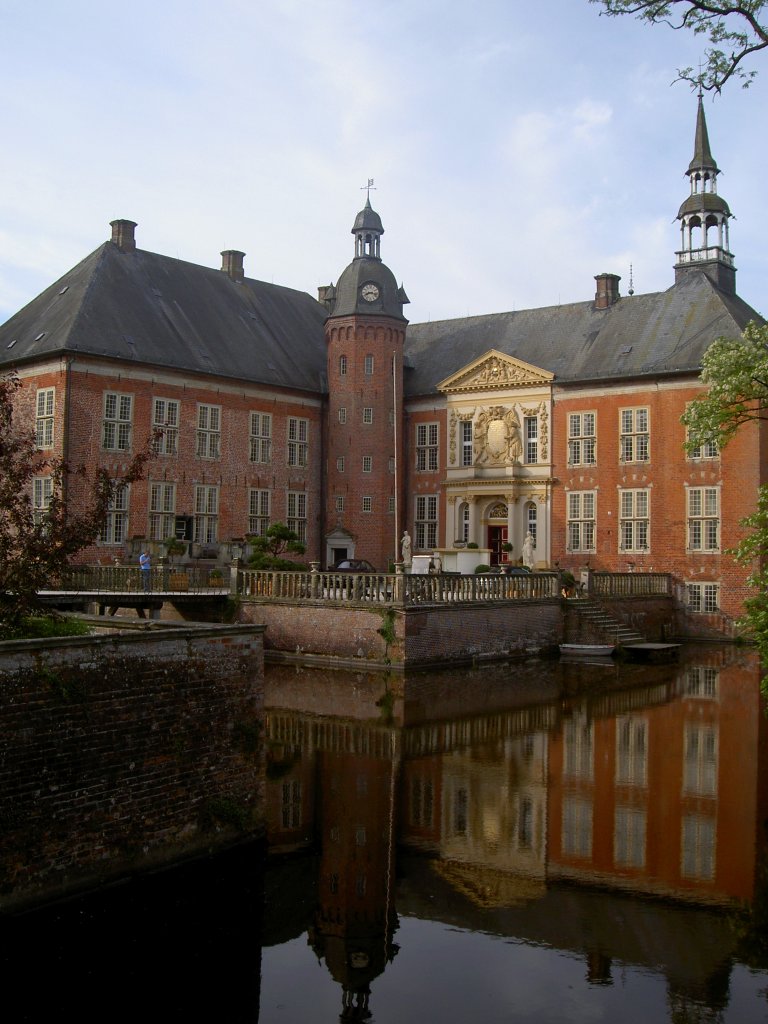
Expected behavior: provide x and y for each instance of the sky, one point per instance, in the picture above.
(518, 147)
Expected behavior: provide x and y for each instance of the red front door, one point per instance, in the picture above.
(497, 536)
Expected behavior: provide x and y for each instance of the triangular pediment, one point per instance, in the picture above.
(494, 370)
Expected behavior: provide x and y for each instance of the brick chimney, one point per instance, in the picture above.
(232, 264)
(123, 234)
(607, 290)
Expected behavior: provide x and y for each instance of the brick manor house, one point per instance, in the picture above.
(348, 423)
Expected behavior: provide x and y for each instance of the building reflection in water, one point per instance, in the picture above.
(541, 796)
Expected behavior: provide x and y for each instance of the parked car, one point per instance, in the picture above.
(515, 570)
(353, 565)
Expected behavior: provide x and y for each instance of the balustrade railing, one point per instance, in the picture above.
(366, 588)
(381, 588)
(129, 579)
(630, 584)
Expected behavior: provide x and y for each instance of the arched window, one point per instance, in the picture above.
(531, 518)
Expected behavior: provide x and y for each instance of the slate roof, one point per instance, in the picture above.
(639, 336)
(145, 308)
(141, 307)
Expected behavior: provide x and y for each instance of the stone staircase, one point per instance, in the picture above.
(604, 628)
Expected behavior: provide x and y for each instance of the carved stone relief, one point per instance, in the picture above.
(497, 440)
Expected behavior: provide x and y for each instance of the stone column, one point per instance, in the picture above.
(473, 527)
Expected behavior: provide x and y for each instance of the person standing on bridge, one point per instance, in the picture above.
(146, 570)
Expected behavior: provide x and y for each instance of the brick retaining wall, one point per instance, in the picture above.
(121, 752)
(423, 636)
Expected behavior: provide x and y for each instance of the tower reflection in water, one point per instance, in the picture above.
(526, 801)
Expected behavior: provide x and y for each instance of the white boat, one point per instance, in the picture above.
(588, 650)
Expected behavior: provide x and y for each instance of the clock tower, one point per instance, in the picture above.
(364, 334)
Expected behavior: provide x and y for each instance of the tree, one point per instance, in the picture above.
(735, 371)
(278, 540)
(732, 27)
(38, 538)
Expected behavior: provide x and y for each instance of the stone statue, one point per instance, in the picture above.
(528, 547)
(405, 548)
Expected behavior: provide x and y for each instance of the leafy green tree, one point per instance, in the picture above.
(734, 29)
(36, 545)
(735, 371)
(268, 549)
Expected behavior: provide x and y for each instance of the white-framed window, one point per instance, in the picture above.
(532, 519)
(367, 463)
(259, 506)
(631, 750)
(260, 437)
(206, 513)
(342, 414)
(531, 435)
(208, 431)
(582, 439)
(425, 522)
(298, 441)
(42, 492)
(634, 520)
(162, 511)
(697, 840)
(464, 521)
(577, 826)
(703, 597)
(44, 408)
(115, 528)
(427, 435)
(340, 464)
(165, 422)
(367, 505)
(368, 414)
(581, 520)
(467, 453)
(339, 500)
(702, 682)
(700, 764)
(707, 450)
(578, 747)
(342, 366)
(296, 518)
(118, 420)
(629, 837)
(634, 435)
(703, 518)
(368, 366)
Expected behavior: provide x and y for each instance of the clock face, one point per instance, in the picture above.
(369, 292)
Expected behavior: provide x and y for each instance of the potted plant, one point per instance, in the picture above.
(178, 579)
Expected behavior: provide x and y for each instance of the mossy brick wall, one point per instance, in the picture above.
(422, 636)
(325, 629)
(124, 752)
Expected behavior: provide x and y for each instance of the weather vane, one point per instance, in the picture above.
(368, 187)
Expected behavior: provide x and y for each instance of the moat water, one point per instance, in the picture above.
(541, 842)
